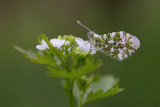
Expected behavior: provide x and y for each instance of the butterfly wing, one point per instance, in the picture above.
(119, 45)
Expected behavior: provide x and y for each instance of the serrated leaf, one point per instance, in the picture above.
(101, 94)
(47, 60)
(28, 54)
(41, 58)
(87, 68)
(106, 86)
(76, 92)
(19, 49)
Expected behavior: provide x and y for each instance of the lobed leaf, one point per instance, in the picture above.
(87, 68)
(101, 93)
(106, 86)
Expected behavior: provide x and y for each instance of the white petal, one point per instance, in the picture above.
(112, 49)
(104, 36)
(85, 46)
(43, 46)
(112, 34)
(121, 34)
(111, 41)
(95, 36)
(69, 49)
(57, 43)
(67, 43)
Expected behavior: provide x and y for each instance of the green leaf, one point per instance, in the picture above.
(83, 82)
(89, 66)
(19, 49)
(76, 92)
(106, 86)
(41, 58)
(46, 59)
(28, 54)
(57, 73)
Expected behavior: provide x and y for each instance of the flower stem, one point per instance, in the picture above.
(70, 84)
(80, 101)
(79, 104)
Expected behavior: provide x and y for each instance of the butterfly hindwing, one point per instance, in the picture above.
(119, 45)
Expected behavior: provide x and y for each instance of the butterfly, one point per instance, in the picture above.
(119, 45)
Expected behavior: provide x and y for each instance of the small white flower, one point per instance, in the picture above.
(121, 51)
(120, 56)
(117, 43)
(85, 46)
(69, 49)
(123, 43)
(57, 43)
(111, 41)
(112, 49)
(96, 36)
(43, 46)
(124, 49)
(67, 43)
(104, 36)
(112, 34)
(121, 34)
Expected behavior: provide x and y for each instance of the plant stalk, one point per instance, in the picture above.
(70, 84)
(79, 104)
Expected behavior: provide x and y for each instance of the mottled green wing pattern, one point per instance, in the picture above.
(119, 45)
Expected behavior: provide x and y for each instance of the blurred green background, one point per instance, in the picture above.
(25, 84)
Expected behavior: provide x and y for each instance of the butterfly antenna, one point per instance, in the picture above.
(83, 25)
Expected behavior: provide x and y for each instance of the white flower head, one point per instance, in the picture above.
(57, 43)
(111, 41)
(112, 34)
(96, 35)
(85, 46)
(104, 36)
(43, 46)
(67, 43)
(112, 49)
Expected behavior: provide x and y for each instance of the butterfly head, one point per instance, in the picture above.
(90, 34)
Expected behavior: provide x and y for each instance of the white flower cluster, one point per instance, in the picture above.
(85, 46)
(58, 43)
(43, 46)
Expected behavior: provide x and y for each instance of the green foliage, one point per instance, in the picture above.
(69, 65)
(72, 64)
(88, 67)
(103, 87)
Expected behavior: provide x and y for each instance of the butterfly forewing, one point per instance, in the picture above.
(119, 45)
